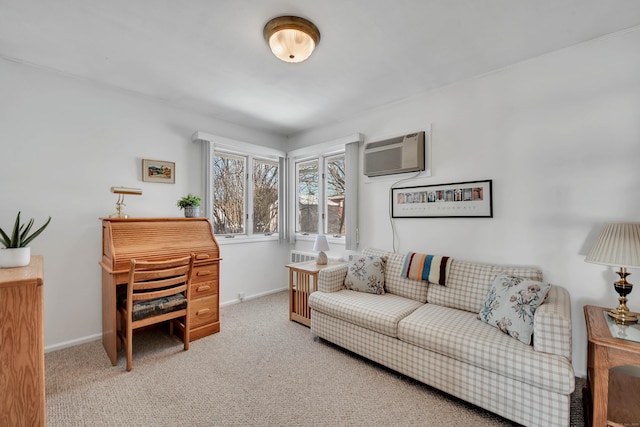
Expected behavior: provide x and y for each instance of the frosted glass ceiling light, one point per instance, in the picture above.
(292, 39)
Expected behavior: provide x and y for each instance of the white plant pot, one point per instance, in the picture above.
(15, 257)
(192, 211)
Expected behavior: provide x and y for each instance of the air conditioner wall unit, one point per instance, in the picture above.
(395, 155)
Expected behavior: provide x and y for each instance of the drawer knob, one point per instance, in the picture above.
(202, 256)
(203, 311)
(203, 288)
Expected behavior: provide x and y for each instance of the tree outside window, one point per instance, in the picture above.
(231, 186)
(335, 195)
(228, 194)
(265, 196)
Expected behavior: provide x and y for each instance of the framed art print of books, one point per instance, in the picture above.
(471, 199)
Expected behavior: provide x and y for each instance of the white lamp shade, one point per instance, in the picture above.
(618, 245)
(321, 243)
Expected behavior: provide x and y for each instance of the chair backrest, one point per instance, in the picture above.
(156, 279)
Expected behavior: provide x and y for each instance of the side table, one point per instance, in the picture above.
(303, 280)
(610, 397)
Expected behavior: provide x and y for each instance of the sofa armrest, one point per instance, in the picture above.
(552, 324)
(331, 279)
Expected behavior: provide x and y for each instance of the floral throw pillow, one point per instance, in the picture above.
(365, 274)
(511, 304)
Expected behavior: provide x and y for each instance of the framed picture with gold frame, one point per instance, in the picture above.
(471, 199)
(158, 171)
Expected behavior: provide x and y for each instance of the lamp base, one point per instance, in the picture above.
(322, 258)
(622, 315)
(118, 215)
(627, 318)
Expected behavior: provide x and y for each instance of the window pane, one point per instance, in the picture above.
(265, 196)
(228, 194)
(307, 197)
(335, 195)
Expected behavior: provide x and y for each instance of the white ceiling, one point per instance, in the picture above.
(210, 55)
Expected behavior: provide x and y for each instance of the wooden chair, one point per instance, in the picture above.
(157, 291)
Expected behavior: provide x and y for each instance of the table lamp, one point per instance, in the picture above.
(121, 191)
(618, 245)
(321, 245)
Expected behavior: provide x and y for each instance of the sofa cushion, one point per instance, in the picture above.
(461, 336)
(380, 313)
(394, 283)
(468, 284)
(365, 274)
(511, 303)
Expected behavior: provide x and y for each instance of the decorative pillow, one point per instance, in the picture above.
(431, 268)
(365, 274)
(511, 304)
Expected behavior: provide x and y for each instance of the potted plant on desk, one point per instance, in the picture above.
(16, 252)
(191, 205)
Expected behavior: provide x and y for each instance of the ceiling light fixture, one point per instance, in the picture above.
(292, 39)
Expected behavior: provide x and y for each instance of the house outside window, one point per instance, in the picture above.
(328, 186)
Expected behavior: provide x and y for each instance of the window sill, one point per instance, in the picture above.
(237, 239)
(312, 238)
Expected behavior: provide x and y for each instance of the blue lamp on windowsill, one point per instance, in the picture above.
(321, 245)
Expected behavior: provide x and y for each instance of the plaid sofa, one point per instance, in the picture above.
(431, 333)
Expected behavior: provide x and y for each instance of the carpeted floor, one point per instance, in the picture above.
(260, 370)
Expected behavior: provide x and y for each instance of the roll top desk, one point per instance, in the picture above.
(155, 239)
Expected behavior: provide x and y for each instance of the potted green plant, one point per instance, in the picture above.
(16, 251)
(191, 205)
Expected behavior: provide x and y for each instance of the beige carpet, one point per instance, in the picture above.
(260, 370)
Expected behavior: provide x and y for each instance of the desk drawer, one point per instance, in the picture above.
(204, 273)
(199, 290)
(204, 310)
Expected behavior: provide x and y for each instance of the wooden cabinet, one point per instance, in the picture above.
(22, 345)
(303, 280)
(610, 395)
(156, 239)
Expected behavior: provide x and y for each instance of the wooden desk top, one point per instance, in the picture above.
(30, 274)
(312, 267)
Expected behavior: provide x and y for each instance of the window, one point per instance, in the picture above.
(229, 193)
(265, 196)
(256, 191)
(336, 195)
(307, 198)
(329, 187)
(237, 192)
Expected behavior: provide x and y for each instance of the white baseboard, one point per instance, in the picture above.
(250, 297)
(72, 343)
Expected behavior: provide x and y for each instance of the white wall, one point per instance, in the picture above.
(63, 144)
(560, 137)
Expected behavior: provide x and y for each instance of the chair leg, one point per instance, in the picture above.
(129, 345)
(186, 334)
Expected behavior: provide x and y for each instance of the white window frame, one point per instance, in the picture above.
(323, 202)
(321, 152)
(212, 144)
